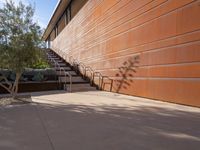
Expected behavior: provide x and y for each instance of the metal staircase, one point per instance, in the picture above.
(68, 78)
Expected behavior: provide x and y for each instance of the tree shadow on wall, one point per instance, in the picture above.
(126, 73)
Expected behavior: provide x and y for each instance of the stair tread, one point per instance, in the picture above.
(73, 73)
(83, 85)
(76, 82)
(65, 70)
(55, 58)
(66, 67)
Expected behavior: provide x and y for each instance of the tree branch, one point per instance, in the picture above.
(5, 88)
(7, 82)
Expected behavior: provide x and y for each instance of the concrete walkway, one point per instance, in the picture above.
(98, 121)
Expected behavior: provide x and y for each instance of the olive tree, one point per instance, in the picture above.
(19, 41)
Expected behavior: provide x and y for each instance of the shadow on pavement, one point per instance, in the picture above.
(102, 127)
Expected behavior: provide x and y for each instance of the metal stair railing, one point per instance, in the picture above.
(83, 69)
(93, 73)
(56, 64)
(101, 80)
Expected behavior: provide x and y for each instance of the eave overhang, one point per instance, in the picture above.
(59, 10)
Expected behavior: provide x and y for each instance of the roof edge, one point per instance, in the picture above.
(53, 19)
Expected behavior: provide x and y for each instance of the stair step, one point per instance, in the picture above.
(51, 54)
(65, 68)
(54, 57)
(78, 83)
(73, 73)
(75, 79)
(59, 61)
(50, 59)
(80, 87)
(62, 64)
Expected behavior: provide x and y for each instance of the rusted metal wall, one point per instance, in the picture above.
(150, 47)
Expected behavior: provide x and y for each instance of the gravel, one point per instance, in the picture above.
(4, 101)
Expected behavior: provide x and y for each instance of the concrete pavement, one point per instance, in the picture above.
(98, 121)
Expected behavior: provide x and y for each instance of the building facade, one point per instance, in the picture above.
(150, 48)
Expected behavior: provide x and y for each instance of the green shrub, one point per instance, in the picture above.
(5, 72)
(38, 77)
(41, 65)
(34, 74)
(49, 71)
(12, 76)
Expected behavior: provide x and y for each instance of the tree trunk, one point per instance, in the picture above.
(16, 85)
(11, 88)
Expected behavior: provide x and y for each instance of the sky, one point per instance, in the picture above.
(43, 9)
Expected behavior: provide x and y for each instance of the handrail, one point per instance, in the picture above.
(98, 74)
(87, 68)
(111, 84)
(77, 65)
(101, 79)
(80, 66)
(92, 73)
(56, 64)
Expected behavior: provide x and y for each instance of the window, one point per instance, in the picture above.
(61, 23)
(71, 10)
(76, 5)
(52, 35)
(68, 12)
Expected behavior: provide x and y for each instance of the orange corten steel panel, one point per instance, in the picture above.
(163, 34)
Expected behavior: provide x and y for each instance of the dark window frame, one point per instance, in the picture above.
(68, 18)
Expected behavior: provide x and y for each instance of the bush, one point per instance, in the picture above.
(41, 65)
(31, 74)
(47, 71)
(5, 72)
(38, 77)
